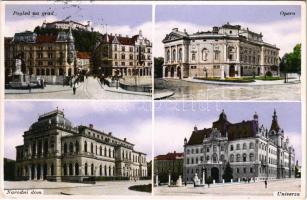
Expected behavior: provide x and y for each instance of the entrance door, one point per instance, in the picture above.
(45, 172)
(215, 174)
(232, 71)
(172, 72)
(258, 71)
(178, 72)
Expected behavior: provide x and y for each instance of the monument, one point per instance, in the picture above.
(179, 182)
(18, 76)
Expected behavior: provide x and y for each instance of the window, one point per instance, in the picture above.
(238, 146)
(251, 145)
(214, 148)
(244, 157)
(123, 63)
(214, 158)
(92, 148)
(180, 54)
(85, 168)
(168, 56)
(131, 56)
(188, 161)
(251, 157)
(208, 149)
(216, 55)
(232, 158)
(115, 47)
(130, 49)
(244, 146)
(207, 158)
(174, 55)
(193, 56)
(123, 56)
(238, 170)
(222, 158)
(251, 170)
(238, 158)
(123, 48)
(231, 147)
(244, 170)
(196, 151)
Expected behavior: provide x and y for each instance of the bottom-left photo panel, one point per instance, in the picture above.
(77, 148)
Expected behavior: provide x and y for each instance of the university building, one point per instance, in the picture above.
(226, 51)
(55, 150)
(123, 55)
(48, 56)
(252, 151)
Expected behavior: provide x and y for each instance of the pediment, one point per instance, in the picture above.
(171, 37)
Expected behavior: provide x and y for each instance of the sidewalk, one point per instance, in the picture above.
(47, 89)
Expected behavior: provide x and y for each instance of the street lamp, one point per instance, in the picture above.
(203, 171)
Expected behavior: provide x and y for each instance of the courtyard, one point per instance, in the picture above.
(246, 189)
(184, 90)
(63, 188)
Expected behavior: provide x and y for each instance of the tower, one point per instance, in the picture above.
(71, 47)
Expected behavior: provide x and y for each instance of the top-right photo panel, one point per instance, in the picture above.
(228, 52)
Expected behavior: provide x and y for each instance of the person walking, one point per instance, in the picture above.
(74, 89)
(266, 184)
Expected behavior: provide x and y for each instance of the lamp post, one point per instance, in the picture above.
(203, 171)
(169, 177)
(157, 178)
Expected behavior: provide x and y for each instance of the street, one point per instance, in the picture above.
(289, 185)
(89, 89)
(100, 188)
(200, 91)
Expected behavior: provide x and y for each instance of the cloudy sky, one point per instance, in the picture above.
(121, 19)
(131, 120)
(284, 31)
(175, 121)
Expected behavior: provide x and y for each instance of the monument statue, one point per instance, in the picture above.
(179, 182)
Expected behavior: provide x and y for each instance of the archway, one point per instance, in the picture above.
(241, 71)
(45, 172)
(166, 72)
(232, 71)
(172, 72)
(258, 71)
(178, 72)
(215, 174)
(38, 168)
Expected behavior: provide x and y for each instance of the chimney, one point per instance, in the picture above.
(110, 133)
(125, 139)
(91, 126)
(120, 35)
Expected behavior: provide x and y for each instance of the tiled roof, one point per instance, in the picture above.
(169, 156)
(241, 130)
(46, 39)
(83, 55)
(122, 40)
(7, 40)
(198, 136)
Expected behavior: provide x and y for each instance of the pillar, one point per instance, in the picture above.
(42, 173)
(231, 181)
(169, 179)
(239, 180)
(203, 177)
(222, 72)
(35, 172)
(29, 172)
(223, 181)
(214, 181)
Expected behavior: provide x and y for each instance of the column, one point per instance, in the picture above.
(169, 179)
(203, 177)
(222, 72)
(35, 172)
(29, 172)
(42, 173)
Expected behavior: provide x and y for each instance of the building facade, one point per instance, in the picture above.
(48, 56)
(64, 24)
(123, 55)
(169, 163)
(55, 150)
(226, 51)
(83, 61)
(252, 151)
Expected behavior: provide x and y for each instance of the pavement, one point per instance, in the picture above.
(89, 89)
(235, 189)
(256, 82)
(118, 188)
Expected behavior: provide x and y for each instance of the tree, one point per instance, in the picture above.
(158, 63)
(227, 176)
(291, 62)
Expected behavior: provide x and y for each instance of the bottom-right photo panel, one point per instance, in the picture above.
(227, 148)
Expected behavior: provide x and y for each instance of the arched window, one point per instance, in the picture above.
(110, 174)
(207, 158)
(105, 151)
(214, 158)
(174, 55)
(222, 157)
(65, 169)
(71, 147)
(92, 148)
(70, 169)
(251, 145)
(85, 169)
(109, 152)
(180, 54)
(168, 54)
(251, 157)
(85, 146)
(244, 157)
(92, 169)
(232, 158)
(105, 170)
(100, 170)
(231, 147)
(77, 146)
(244, 146)
(205, 54)
(76, 169)
(238, 158)
(65, 147)
(100, 150)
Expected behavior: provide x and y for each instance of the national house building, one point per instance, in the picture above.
(55, 150)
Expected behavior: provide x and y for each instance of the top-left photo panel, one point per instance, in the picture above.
(61, 50)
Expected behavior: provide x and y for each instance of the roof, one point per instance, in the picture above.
(244, 129)
(231, 26)
(198, 136)
(122, 40)
(83, 55)
(46, 39)
(169, 156)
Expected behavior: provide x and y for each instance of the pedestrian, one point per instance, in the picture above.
(29, 87)
(74, 89)
(266, 184)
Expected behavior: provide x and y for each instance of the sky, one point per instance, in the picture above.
(131, 120)
(284, 31)
(175, 121)
(120, 19)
